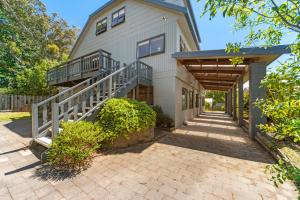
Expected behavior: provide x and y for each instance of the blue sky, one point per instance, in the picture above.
(214, 33)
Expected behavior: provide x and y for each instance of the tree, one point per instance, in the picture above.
(28, 35)
(217, 96)
(266, 20)
(32, 81)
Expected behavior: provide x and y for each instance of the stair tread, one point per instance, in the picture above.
(45, 141)
(59, 129)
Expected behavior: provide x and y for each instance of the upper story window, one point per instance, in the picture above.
(150, 47)
(118, 17)
(182, 45)
(101, 26)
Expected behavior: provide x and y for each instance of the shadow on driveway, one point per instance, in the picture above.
(22, 127)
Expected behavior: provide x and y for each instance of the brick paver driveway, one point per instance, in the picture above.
(210, 158)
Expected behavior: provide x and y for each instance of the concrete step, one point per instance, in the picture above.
(44, 141)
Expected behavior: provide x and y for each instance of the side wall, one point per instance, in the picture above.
(185, 79)
(142, 22)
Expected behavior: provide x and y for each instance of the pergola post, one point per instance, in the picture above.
(257, 72)
(230, 102)
(234, 102)
(225, 104)
(241, 101)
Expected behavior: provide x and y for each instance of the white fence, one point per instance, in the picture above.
(19, 103)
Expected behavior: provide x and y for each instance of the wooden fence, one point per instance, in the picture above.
(18, 103)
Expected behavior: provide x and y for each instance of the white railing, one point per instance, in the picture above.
(82, 100)
(42, 112)
(80, 68)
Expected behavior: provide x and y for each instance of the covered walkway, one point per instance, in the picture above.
(214, 70)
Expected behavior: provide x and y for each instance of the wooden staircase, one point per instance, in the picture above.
(84, 99)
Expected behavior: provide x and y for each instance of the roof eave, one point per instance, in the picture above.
(274, 50)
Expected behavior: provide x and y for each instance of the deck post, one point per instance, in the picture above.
(81, 67)
(241, 101)
(100, 60)
(109, 87)
(226, 104)
(35, 120)
(230, 102)
(257, 72)
(55, 119)
(234, 102)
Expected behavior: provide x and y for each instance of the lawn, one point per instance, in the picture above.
(10, 116)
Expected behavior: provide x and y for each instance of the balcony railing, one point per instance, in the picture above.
(81, 68)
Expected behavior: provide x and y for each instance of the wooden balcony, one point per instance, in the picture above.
(78, 69)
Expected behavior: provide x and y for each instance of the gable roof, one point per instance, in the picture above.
(188, 13)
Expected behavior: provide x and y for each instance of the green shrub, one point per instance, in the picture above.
(282, 105)
(282, 172)
(162, 119)
(74, 146)
(121, 117)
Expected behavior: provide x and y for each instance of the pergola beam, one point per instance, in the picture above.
(216, 83)
(215, 78)
(225, 61)
(217, 88)
(220, 70)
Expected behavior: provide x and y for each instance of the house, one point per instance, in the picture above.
(159, 42)
(150, 31)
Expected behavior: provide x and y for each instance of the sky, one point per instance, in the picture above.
(215, 33)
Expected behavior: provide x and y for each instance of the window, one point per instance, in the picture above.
(101, 26)
(150, 47)
(197, 100)
(184, 98)
(144, 49)
(182, 45)
(118, 17)
(191, 99)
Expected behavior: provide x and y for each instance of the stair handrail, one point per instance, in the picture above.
(56, 115)
(68, 90)
(93, 85)
(37, 127)
(61, 108)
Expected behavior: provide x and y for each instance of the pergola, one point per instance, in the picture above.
(214, 71)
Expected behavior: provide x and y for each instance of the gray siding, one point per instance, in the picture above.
(142, 21)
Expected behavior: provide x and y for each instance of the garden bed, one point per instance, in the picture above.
(290, 153)
(132, 139)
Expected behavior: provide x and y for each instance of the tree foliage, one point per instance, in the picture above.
(217, 96)
(28, 35)
(266, 20)
(282, 107)
(32, 81)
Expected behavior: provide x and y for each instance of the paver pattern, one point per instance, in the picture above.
(210, 158)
